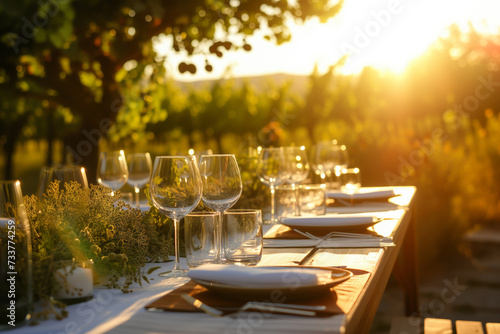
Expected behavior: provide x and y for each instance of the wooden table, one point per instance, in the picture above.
(114, 312)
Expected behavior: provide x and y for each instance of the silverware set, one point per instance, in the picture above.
(345, 236)
(291, 309)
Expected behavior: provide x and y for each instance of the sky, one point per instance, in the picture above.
(384, 34)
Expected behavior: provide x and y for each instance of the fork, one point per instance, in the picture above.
(307, 235)
(291, 309)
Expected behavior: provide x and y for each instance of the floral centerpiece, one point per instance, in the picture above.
(88, 224)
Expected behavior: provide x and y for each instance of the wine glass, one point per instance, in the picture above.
(139, 172)
(321, 163)
(328, 159)
(175, 190)
(297, 167)
(112, 170)
(63, 174)
(339, 155)
(222, 185)
(271, 171)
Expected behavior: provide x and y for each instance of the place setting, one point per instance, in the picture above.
(309, 215)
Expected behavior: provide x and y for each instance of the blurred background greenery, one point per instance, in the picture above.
(435, 126)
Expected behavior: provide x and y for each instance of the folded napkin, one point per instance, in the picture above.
(330, 220)
(236, 275)
(362, 194)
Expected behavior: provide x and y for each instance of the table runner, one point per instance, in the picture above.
(341, 299)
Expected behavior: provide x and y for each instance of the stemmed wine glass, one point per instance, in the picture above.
(329, 159)
(271, 171)
(64, 174)
(175, 190)
(297, 167)
(320, 159)
(139, 169)
(222, 185)
(112, 170)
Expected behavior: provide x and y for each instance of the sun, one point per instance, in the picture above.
(386, 35)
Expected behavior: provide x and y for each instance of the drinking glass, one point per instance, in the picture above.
(112, 170)
(340, 158)
(63, 174)
(297, 168)
(320, 161)
(271, 171)
(222, 185)
(350, 180)
(15, 258)
(201, 238)
(175, 190)
(139, 172)
(328, 159)
(243, 236)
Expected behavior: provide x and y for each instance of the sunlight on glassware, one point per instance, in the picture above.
(112, 170)
(350, 179)
(175, 190)
(297, 169)
(272, 172)
(139, 168)
(222, 186)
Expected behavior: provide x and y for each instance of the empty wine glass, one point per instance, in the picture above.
(175, 190)
(328, 159)
(222, 185)
(297, 168)
(339, 155)
(271, 171)
(112, 170)
(63, 174)
(139, 172)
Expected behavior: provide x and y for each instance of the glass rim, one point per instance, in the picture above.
(240, 211)
(174, 157)
(202, 213)
(218, 155)
(15, 182)
(138, 153)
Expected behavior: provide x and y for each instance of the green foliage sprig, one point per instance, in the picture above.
(88, 224)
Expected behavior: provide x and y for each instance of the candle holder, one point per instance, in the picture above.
(73, 281)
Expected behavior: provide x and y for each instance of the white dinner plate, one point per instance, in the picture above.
(291, 287)
(330, 222)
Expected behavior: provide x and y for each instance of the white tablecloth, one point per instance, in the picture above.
(109, 307)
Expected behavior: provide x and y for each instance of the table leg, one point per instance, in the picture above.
(406, 270)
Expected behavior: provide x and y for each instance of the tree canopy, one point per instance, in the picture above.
(67, 67)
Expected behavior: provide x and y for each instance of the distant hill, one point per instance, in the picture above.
(299, 83)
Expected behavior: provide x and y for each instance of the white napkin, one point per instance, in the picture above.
(362, 194)
(329, 220)
(236, 275)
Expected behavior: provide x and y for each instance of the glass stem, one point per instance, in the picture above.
(222, 256)
(136, 196)
(273, 218)
(296, 199)
(177, 264)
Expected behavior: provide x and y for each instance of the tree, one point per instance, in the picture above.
(79, 56)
